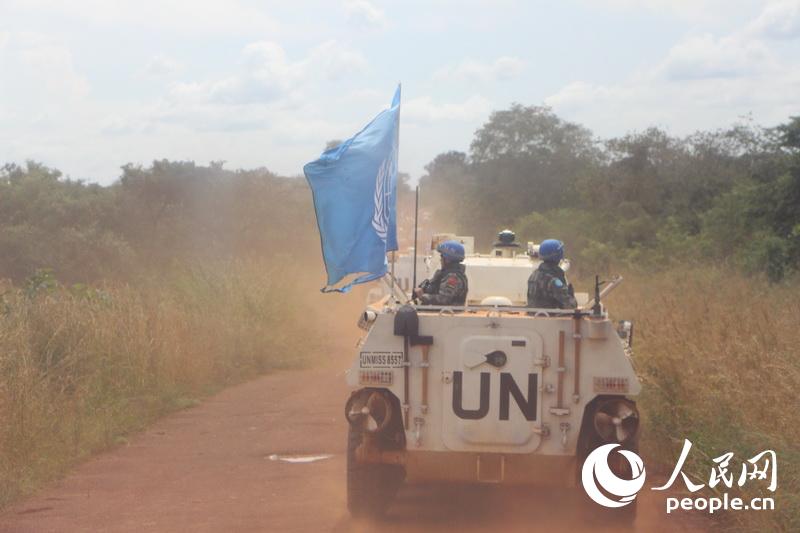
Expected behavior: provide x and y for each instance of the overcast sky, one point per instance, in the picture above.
(89, 85)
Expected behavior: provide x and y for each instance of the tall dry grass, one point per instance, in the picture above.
(80, 368)
(719, 355)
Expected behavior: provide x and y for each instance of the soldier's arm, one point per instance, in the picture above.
(449, 291)
(427, 288)
(561, 293)
(531, 285)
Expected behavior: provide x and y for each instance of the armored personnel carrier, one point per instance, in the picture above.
(489, 392)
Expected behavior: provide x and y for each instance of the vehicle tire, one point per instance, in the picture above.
(370, 487)
(624, 515)
(588, 440)
(620, 516)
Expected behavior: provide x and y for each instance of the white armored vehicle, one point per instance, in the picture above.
(489, 392)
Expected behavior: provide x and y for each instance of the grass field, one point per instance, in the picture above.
(80, 367)
(719, 354)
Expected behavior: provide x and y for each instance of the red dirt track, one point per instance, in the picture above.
(207, 469)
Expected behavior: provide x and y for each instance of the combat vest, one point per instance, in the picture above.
(459, 270)
(541, 291)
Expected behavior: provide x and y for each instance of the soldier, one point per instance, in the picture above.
(448, 286)
(547, 286)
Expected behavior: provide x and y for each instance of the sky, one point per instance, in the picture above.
(87, 86)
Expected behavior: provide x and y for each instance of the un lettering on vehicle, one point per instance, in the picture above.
(509, 389)
(492, 411)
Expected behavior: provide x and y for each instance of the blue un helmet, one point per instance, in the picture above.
(451, 250)
(551, 250)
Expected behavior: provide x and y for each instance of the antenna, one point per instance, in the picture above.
(416, 225)
(597, 309)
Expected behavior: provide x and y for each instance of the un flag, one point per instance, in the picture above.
(355, 189)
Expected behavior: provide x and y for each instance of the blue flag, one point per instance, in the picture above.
(355, 189)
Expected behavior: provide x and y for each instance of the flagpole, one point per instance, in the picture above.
(397, 134)
(393, 252)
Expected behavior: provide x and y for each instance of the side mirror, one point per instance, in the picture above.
(366, 319)
(625, 331)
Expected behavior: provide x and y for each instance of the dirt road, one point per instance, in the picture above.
(209, 468)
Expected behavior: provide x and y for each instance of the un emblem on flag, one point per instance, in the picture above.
(380, 214)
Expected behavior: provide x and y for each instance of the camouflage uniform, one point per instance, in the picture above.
(548, 288)
(448, 286)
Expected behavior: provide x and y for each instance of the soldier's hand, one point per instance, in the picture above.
(418, 292)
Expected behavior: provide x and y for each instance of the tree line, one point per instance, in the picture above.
(647, 198)
(150, 218)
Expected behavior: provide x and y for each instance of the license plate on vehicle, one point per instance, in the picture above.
(381, 359)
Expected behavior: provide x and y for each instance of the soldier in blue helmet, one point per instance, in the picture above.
(547, 286)
(448, 286)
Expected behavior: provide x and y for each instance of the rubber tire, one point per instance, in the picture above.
(588, 441)
(620, 516)
(624, 516)
(370, 487)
